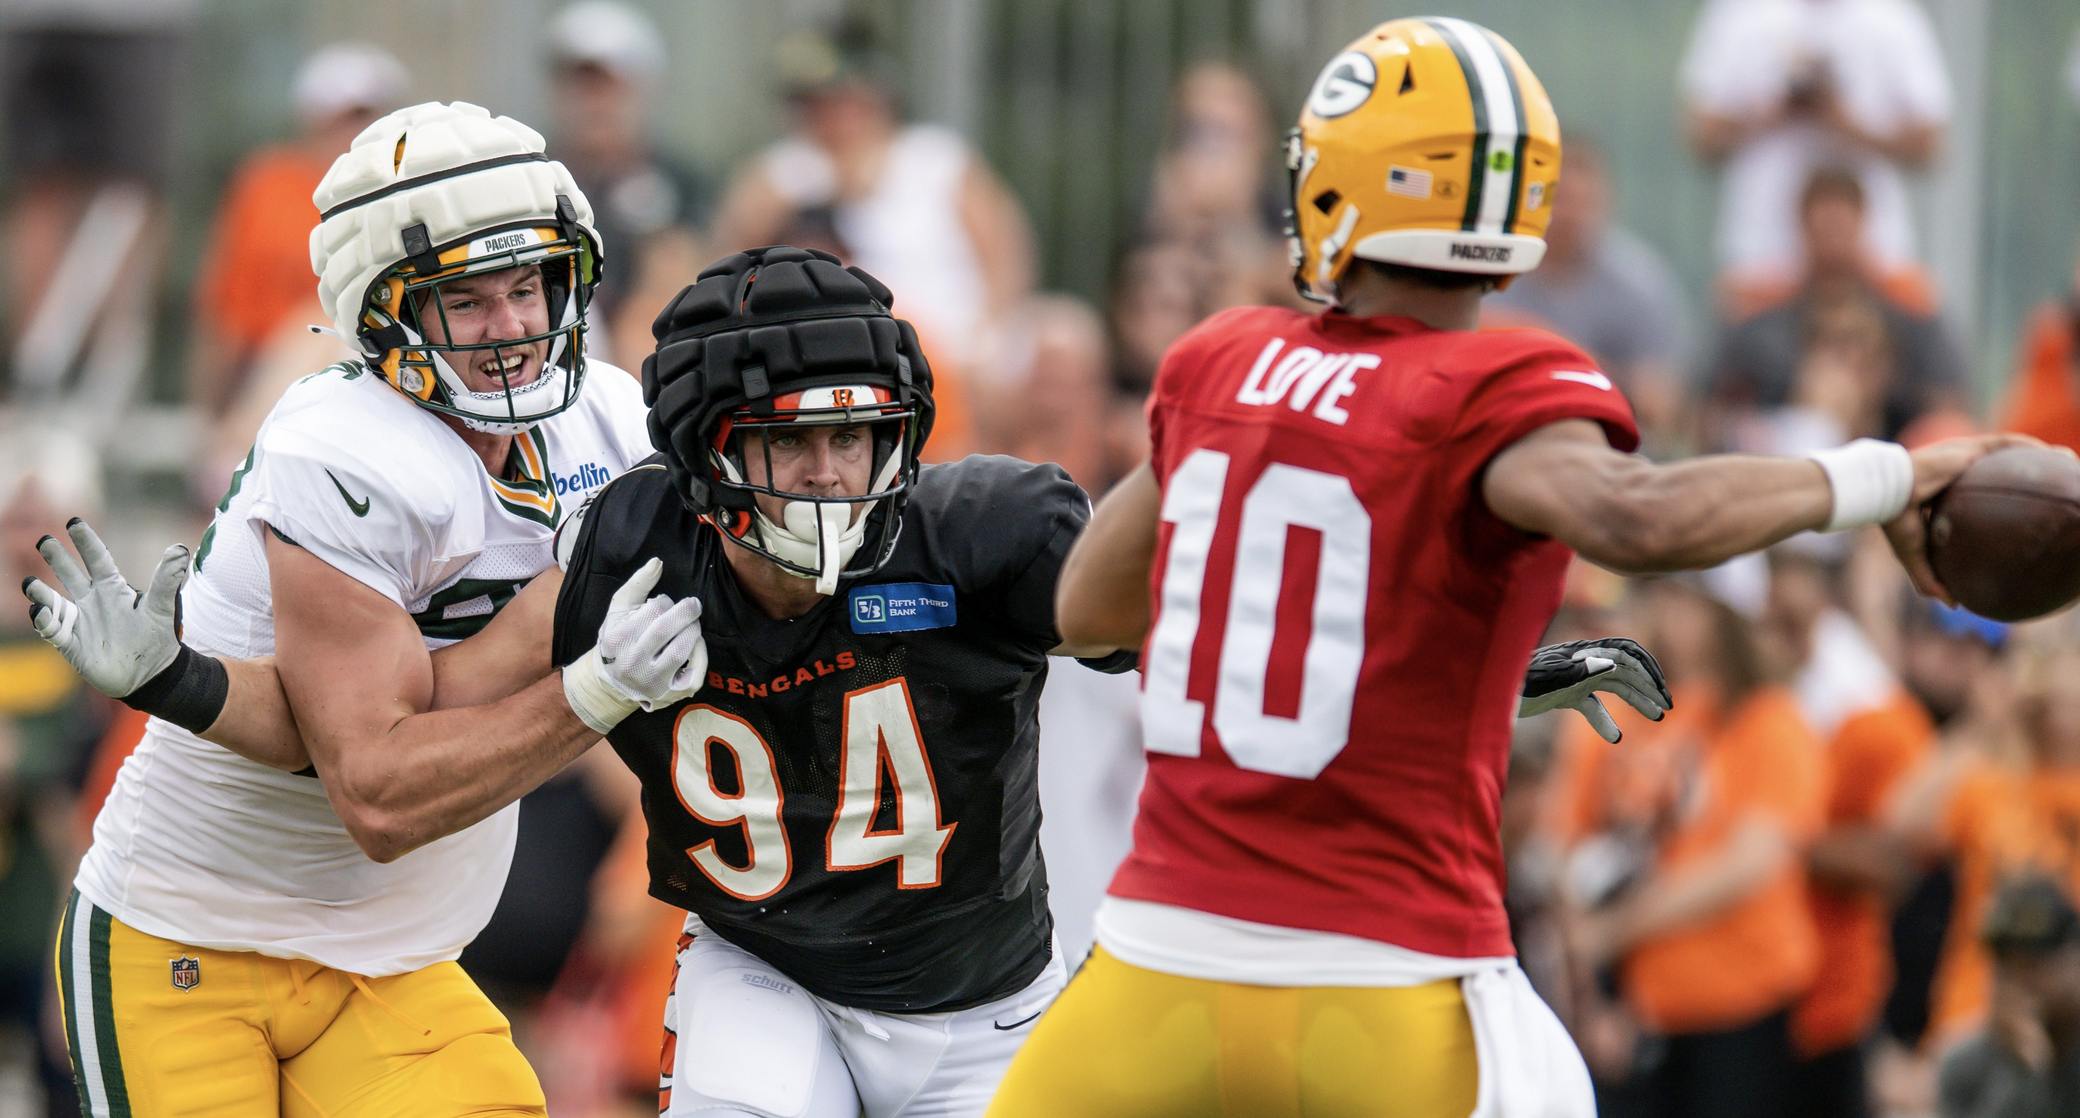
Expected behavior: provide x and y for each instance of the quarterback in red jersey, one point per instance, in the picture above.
(1350, 534)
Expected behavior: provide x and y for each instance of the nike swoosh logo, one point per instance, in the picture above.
(360, 507)
(1016, 1024)
(1593, 380)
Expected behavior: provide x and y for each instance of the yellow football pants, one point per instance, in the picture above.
(1124, 1042)
(160, 1028)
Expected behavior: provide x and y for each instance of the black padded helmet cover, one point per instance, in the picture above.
(766, 323)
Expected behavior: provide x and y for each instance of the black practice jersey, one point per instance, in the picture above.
(853, 796)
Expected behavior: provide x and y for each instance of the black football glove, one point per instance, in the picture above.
(1569, 675)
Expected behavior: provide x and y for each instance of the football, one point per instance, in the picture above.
(2005, 537)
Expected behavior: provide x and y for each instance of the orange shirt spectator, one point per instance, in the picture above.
(259, 264)
(2044, 399)
(1760, 953)
(1870, 755)
(257, 269)
(1998, 821)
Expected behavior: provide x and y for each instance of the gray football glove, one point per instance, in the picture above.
(114, 637)
(1569, 675)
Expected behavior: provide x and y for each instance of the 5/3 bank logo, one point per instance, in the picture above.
(902, 607)
(869, 609)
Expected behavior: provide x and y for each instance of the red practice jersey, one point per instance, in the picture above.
(1342, 627)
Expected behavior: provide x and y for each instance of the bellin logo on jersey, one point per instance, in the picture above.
(902, 607)
(187, 973)
(587, 476)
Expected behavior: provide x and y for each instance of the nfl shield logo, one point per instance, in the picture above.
(187, 973)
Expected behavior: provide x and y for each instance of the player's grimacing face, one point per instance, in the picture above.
(493, 306)
(813, 461)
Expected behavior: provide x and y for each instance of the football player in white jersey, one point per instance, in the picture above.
(245, 939)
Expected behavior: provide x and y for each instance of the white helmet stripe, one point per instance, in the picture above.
(1493, 87)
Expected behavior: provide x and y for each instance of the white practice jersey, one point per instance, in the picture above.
(201, 846)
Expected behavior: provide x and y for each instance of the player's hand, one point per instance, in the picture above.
(1935, 467)
(1569, 675)
(114, 637)
(650, 654)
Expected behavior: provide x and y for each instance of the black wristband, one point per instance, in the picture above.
(1114, 663)
(189, 693)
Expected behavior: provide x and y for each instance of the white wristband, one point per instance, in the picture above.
(595, 700)
(1872, 482)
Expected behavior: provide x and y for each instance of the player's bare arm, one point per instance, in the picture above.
(1102, 597)
(253, 718)
(1635, 516)
(400, 774)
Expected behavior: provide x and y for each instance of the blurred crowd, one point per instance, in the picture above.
(1838, 879)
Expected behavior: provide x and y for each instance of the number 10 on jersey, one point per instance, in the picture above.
(1260, 589)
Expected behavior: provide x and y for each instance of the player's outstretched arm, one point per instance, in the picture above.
(127, 646)
(401, 774)
(1631, 515)
(1101, 596)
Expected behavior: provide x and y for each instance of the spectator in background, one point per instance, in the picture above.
(256, 272)
(2044, 396)
(255, 295)
(1212, 236)
(48, 723)
(1156, 298)
(2001, 798)
(1838, 350)
(1212, 193)
(1777, 88)
(1609, 292)
(1211, 174)
(2026, 1063)
(917, 206)
(1043, 391)
(1876, 734)
(605, 59)
(89, 93)
(1710, 936)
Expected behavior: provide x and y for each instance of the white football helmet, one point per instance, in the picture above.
(432, 193)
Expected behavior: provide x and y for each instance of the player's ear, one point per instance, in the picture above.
(1502, 282)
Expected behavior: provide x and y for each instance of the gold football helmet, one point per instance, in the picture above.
(1428, 143)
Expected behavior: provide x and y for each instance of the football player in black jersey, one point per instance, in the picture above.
(848, 810)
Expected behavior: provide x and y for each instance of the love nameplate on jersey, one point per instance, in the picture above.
(901, 607)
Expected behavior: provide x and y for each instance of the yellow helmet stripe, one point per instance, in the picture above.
(1498, 129)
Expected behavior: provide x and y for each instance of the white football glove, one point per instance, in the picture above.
(650, 654)
(1569, 675)
(115, 638)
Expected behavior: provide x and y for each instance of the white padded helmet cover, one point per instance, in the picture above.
(351, 249)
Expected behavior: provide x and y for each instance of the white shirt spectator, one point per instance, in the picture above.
(1746, 56)
(907, 233)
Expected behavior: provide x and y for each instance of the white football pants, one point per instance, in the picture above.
(751, 1043)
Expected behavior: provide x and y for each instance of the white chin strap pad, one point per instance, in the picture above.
(830, 525)
(820, 534)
